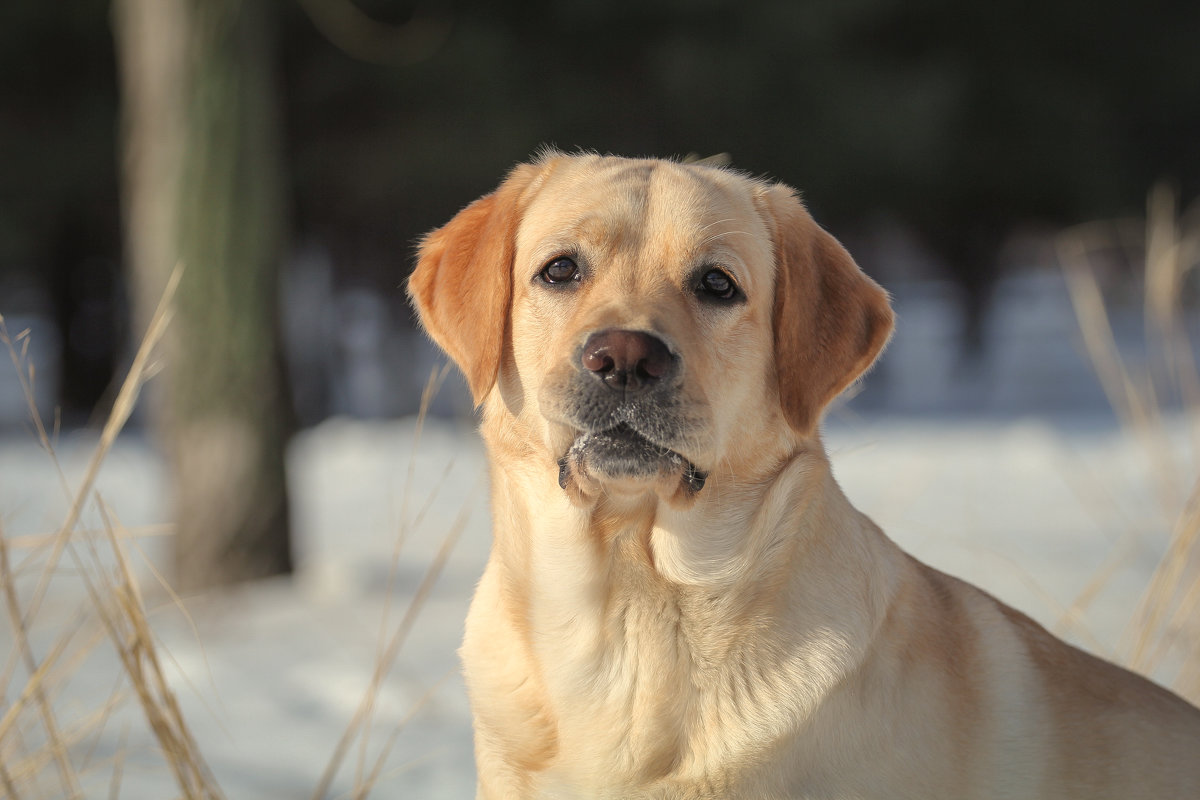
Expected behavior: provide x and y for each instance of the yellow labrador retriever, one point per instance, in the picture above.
(680, 602)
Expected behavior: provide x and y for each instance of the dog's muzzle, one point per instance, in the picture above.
(624, 401)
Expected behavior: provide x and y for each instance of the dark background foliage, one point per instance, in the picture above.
(962, 122)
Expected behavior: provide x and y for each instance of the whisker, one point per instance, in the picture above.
(716, 222)
(721, 235)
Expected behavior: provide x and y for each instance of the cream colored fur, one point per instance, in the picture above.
(758, 638)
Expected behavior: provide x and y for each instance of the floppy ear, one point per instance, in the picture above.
(462, 285)
(831, 320)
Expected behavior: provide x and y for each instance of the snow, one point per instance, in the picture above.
(274, 671)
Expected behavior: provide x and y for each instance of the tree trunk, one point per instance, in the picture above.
(202, 187)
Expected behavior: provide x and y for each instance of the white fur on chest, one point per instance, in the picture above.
(656, 681)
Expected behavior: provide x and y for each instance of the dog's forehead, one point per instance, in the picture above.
(676, 212)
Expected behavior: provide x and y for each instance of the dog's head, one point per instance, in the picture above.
(644, 323)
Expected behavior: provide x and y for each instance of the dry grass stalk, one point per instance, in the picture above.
(122, 408)
(35, 689)
(364, 785)
(360, 723)
(365, 710)
(118, 769)
(117, 604)
(1163, 632)
(38, 540)
(432, 386)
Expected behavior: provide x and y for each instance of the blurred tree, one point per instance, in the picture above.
(203, 187)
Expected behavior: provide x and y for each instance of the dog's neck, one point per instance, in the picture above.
(738, 529)
(623, 602)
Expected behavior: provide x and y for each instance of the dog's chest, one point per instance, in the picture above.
(654, 684)
(605, 677)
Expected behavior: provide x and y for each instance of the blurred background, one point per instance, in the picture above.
(941, 141)
(290, 154)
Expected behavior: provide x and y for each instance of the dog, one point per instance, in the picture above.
(680, 602)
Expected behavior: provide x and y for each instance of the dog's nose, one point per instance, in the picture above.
(628, 361)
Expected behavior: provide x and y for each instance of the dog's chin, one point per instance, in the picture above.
(621, 460)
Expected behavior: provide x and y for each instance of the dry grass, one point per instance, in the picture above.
(391, 640)
(1155, 397)
(46, 751)
(40, 748)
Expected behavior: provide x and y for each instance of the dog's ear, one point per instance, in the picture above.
(831, 321)
(462, 285)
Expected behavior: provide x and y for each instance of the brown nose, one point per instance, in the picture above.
(627, 361)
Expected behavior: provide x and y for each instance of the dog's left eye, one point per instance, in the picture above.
(716, 284)
(560, 270)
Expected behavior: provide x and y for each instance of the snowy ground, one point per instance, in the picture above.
(1011, 475)
(1028, 510)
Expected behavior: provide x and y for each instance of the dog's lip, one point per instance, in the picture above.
(624, 430)
(624, 420)
(626, 424)
(692, 475)
(627, 433)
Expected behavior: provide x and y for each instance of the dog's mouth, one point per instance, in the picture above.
(622, 453)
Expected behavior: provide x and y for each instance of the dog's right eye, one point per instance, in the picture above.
(716, 284)
(560, 270)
